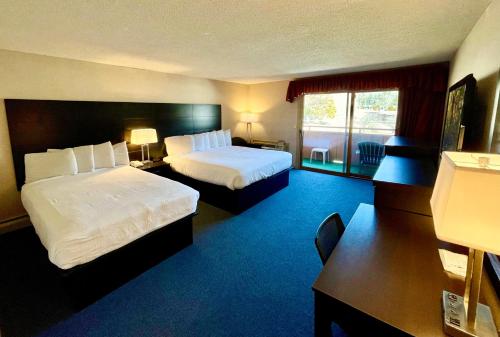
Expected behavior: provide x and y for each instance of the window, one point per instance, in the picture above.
(344, 140)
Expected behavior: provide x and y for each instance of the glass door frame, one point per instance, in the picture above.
(300, 134)
(349, 128)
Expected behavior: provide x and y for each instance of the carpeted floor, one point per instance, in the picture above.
(246, 275)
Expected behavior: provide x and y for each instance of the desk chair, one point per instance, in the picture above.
(328, 234)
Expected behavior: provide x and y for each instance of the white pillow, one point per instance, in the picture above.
(199, 142)
(104, 155)
(179, 145)
(84, 157)
(221, 138)
(206, 140)
(49, 164)
(212, 138)
(227, 137)
(121, 154)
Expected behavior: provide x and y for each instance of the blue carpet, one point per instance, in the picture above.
(246, 275)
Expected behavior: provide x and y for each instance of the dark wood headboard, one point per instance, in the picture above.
(36, 125)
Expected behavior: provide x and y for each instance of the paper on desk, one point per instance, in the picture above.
(453, 262)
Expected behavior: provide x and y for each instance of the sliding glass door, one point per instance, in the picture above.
(345, 132)
(325, 132)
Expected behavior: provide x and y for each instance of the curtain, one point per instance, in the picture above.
(422, 94)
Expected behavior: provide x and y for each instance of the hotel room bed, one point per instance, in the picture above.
(235, 167)
(103, 228)
(232, 177)
(82, 217)
(38, 125)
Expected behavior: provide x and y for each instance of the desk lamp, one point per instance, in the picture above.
(143, 137)
(465, 207)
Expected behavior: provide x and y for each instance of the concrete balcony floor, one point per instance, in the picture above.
(368, 171)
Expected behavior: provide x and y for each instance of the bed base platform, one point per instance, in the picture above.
(84, 284)
(235, 201)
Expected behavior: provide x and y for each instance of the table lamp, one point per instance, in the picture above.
(465, 207)
(249, 118)
(143, 137)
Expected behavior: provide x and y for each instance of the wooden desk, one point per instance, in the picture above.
(405, 183)
(408, 147)
(384, 278)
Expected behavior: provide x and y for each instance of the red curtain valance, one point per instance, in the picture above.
(431, 77)
(422, 94)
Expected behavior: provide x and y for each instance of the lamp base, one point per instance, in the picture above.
(455, 318)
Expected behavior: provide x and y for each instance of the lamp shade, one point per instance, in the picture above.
(248, 117)
(465, 201)
(143, 136)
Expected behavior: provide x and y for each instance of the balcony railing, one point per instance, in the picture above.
(340, 129)
(334, 138)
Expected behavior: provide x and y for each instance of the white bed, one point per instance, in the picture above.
(81, 217)
(232, 166)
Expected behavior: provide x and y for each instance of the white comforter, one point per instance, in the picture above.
(231, 166)
(79, 218)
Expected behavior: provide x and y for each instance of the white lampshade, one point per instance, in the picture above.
(248, 117)
(465, 202)
(143, 136)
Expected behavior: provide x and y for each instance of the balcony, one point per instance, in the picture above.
(335, 140)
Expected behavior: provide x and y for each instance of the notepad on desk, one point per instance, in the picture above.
(453, 262)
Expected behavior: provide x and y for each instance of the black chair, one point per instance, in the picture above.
(370, 154)
(328, 234)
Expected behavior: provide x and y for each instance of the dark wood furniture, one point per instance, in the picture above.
(277, 145)
(406, 176)
(159, 167)
(238, 200)
(261, 144)
(384, 277)
(36, 125)
(405, 183)
(409, 147)
(87, 283)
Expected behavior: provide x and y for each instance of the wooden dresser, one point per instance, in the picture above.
(406, 176)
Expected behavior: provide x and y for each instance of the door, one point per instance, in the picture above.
(373, 123)
(345, 133)
(325, 130)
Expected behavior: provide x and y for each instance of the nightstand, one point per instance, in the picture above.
(277, 145)
(157, 167)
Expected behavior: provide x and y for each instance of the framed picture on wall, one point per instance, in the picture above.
(492, 262)
(494, 136)
(459, 127)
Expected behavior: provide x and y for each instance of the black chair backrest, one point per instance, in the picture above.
(328, 234)
(370, 153)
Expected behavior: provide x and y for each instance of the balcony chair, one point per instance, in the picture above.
(370, 154)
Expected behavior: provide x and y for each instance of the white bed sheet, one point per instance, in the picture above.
(232, 166)
(79, 218)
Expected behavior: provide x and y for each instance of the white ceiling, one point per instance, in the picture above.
(244, 41)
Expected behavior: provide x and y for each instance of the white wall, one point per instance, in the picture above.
(28, 76)
(480, 54)
(277, 119)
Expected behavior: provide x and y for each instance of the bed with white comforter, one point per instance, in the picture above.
(232, 166)
(81, 217)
